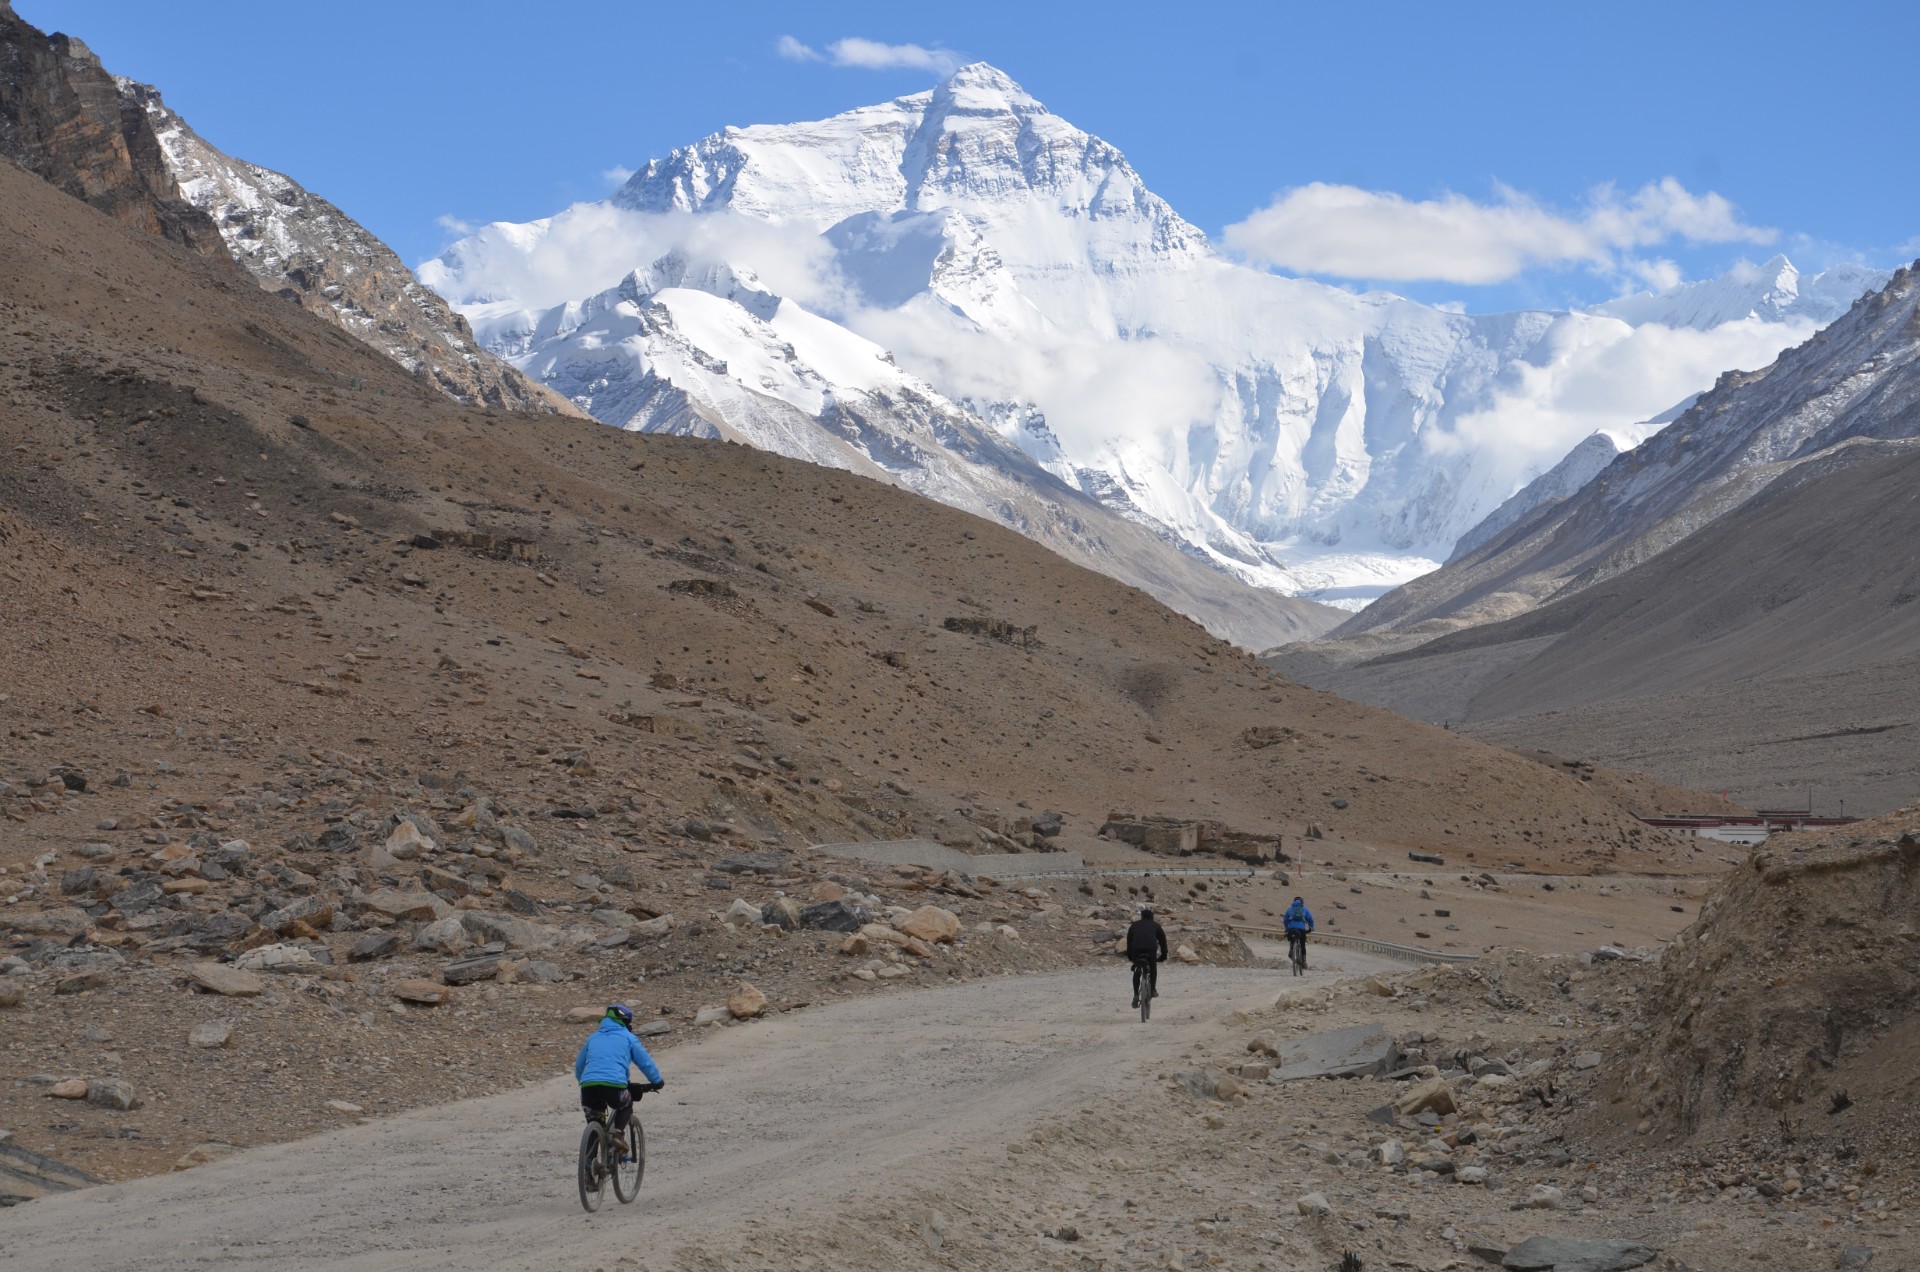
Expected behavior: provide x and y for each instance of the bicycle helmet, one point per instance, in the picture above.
(622, 1013)
(1146, 912)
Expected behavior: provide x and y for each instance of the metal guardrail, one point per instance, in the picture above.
(1391, 949)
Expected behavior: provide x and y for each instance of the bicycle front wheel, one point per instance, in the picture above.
(627, 1175)
(593, 1179)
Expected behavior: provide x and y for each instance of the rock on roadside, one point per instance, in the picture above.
(218, 978)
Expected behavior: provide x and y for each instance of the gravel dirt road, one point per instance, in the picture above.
(771, 1122)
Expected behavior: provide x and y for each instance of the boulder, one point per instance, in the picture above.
(468, 970)
(1545, 1197)
(931, 924)
(518, 839)
(585, 1013)
(81, 982)
(1210, 1084)
(218, 978)
(833, 916)
(315, 912)
(741, 914)
(210, 1034)
(69, 1089)
(412, 904)
(653, 929)
(767, 863)
(1389, 1153)
(424, 992)
(1431, 1096)
(1578, 1254)
(1314, 1205)
(881, 934)
(111, 1093)
(652, 1028)
(1185, 954)
(11, 994)
(712, 1016)
(65, 923)
(218, 933)
(746, 1002)
(781, 912)
(276, 958)
(407, 843)
(856, 944)
(373, 945)
(1354, 1052)
(443, 936)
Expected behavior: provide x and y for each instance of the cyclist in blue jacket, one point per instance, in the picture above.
(1298, 922)
(601, 1067)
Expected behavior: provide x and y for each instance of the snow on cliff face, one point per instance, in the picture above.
(984, 253)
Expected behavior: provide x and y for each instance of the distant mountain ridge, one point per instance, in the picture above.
(1858, 378)
(1729, 604)
(1295, 435)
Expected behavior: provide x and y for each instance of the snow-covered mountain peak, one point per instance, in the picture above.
(1031, 289)
(1772, 291)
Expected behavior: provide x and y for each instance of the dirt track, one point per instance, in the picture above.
(772, 1120)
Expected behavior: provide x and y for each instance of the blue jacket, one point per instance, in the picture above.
(603, 1057)
(1299, 918)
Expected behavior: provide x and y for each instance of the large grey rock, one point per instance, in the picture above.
(1578, 1254)
(211, 1034)
(835, 916)
(468, 970)
(111, 1093)
(1353, 1052)
(752, 863)
(446, 936)
(374, 945)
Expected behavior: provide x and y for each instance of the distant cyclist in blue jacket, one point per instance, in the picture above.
(601, 1067)
(1298, 922)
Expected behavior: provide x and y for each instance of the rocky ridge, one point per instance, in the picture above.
(113, 143)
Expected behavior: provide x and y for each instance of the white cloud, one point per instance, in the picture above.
(619, 174)
(872, 55)
(453, 224)
(591, 246)
(1604, 376)
(1348, 232)
(795, 51)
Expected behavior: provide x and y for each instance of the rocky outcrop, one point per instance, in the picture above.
(62, 118)
(303, 248)
(114, 144)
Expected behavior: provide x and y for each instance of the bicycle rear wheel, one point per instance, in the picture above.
(627, 1175)
(1297, 954)
(1143, 988)
(593, 1178)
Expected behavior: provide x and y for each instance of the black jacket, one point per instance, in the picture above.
(1147, 939)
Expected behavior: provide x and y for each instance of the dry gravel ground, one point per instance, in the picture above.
(773, 1127)
(1021, 1122)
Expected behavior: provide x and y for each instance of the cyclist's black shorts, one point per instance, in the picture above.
(600, 1099)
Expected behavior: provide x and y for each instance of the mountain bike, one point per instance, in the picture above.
(1297, 952)
(604, 1157)
(1144, 991)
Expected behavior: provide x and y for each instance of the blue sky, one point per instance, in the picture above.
(1499, 155)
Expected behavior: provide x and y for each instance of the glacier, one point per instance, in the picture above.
(958, 290)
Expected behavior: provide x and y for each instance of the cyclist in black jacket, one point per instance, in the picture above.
(1146, 949)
